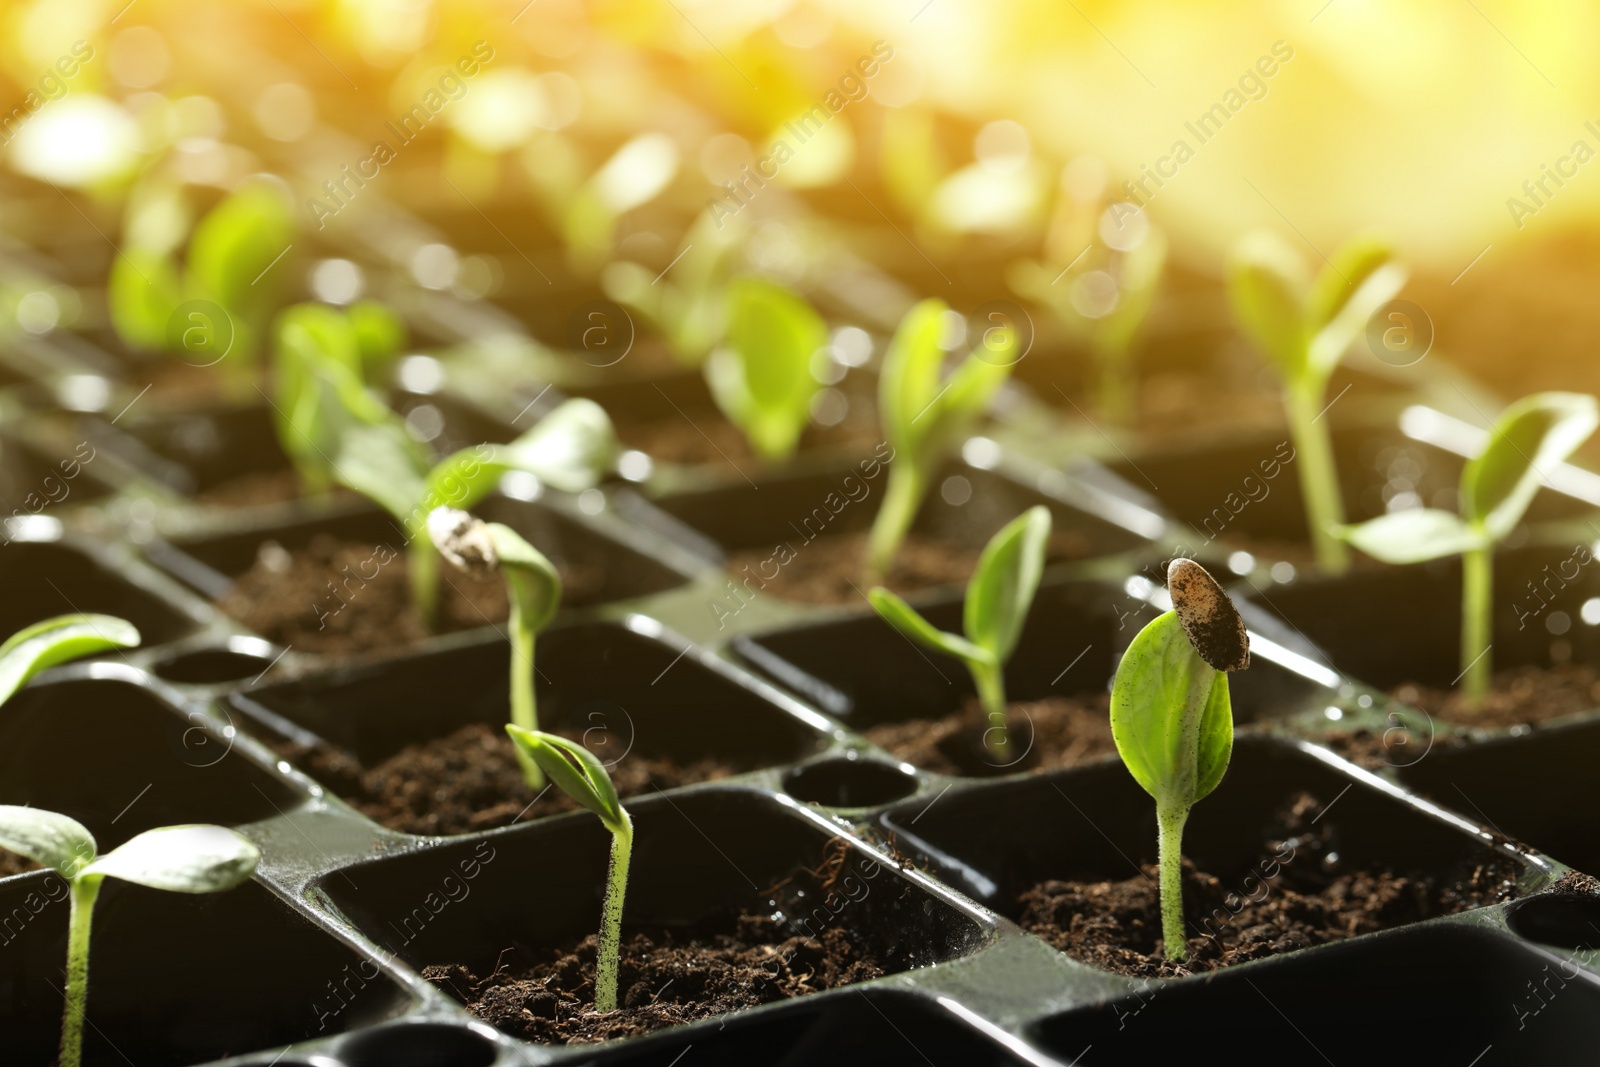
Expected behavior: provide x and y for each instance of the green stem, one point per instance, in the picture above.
(1170, 820)
(991, 684)
(84, 893)
(901, 500)
(608, 961)
(1319, 476)
(1477, 622)
(524, 710)
(422, 559)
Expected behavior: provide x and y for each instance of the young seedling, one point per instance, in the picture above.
(360, 443)
(1533, 435)
(1105, 301)
(1172, 719)
(180, 859)
(685, 307)
(362, 339)
(761, 376)
(54, 641)
(998, 598)
(925, 415)
(532, 586)
(583, 778)
(1304, 328)
(229, 269)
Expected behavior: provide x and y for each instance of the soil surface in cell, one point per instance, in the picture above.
(1298, 895)
(11, 863)
(669, 976)
(1057, 732)
(471, 780)
(341, 597)
(831, 569)
(1517, 696)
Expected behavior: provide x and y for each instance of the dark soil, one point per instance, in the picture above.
(1057, 732)
(1517, 696)
(1301, 896)
(471, 780)
(669, 976)
(320, 601)
(1576, 882)
(830, 569)
(11, 863)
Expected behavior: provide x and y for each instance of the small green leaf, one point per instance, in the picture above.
(536, 582)
(1266, 286)
(1531, 437)
(574, 769)
(58, 640)
(1413, 536)
(573, 448)
(142, 293)
(1003, 585)
(379, 334)
(1170, 715)
(909, 379)
(904, 618)
(465, 477)
(46, 837)
(762, 379)
(181, 859)
(235, 244)
(1361, 278)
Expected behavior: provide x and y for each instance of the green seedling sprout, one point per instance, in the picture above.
(362, 339)
(1533, 435)
(179, 859)
(1304, 328)
(925, 415)
(532, 586)
(54, 641)
(331, 419)
(686, 305)
(1172, 719)
(583, 778)
(998, 598)
(232, 267)
(1104, 301)
(761, 376)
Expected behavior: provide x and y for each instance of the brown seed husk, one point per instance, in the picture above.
(1209, 618)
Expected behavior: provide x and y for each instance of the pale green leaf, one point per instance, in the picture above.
(59, 640)
(536, 584)
(1266, 287)
(909, 379)
(142, 293)
(1170, 715)
(46, 837)
(235, 244)
(1413, 535)
(1361, 278)
(1534, 435)
(181, 859)
(1003, 584)
(762, 379)
(904, 618)
(574, 770)
(573, 448)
